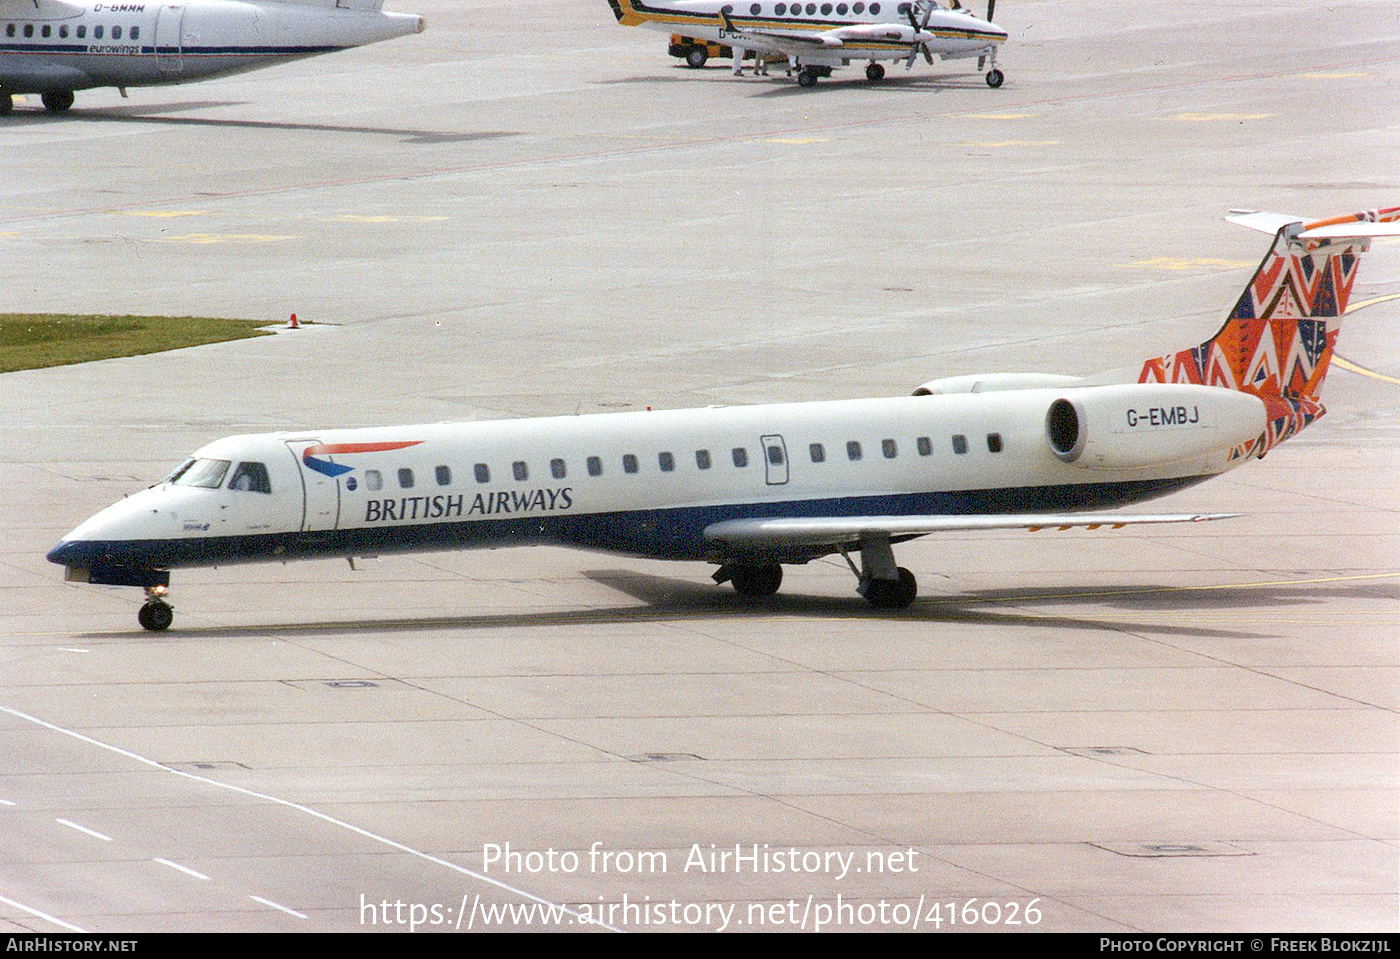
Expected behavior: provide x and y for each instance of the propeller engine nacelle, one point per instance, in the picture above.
(1141, 425)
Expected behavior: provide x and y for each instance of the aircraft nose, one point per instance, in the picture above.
(70, 552)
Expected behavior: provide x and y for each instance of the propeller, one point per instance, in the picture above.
(919, 28)
(991, 8)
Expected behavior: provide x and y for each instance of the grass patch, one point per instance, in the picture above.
(29, 341)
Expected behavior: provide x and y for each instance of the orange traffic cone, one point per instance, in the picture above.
(292, 324)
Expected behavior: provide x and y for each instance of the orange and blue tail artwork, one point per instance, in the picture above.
(1277, 342)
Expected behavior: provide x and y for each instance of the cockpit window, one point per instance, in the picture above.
(251, 477)
(198, 472)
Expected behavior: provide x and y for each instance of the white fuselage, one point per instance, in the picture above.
(66, 47)
(651, 483)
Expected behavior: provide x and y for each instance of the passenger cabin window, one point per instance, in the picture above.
(666, 461)
(82, 31)
(521, 471)
(443, 475)
(817, 452)
(63, 31)
(595, 466)
(251, 477)
(959, 444)
(925, 446)
(46, 31)
(206, 474)
(482, 472)
(629, 462)
(406, 478)
(96, 33)
(28, 30)
(116, 33)
(135, 33)
(741, 457)
(775, 455)
(373, 480)
(557, 469)
(890, 448)
(853, 451)
(994, 442)
(702, 459)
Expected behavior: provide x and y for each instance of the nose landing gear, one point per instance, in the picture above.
(156, 614)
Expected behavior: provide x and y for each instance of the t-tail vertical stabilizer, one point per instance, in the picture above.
(1277, 342)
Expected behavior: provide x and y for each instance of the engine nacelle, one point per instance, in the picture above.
(1141, 425)
(993, 382)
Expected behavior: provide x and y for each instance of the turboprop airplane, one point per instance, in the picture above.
(818, 37)
(753, 488)
(53, 47)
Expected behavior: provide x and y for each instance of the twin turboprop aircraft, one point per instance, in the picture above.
(54, 47)
(751, 489)
(818, 37)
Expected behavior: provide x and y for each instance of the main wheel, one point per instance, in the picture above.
(757, 580)
(807, 77)
(875, 72)
(892, 593)
(695, 58)
(156, 616)
(994, 78)
(56, 101)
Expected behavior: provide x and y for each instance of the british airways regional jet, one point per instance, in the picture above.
(753, 488)
(53, 47)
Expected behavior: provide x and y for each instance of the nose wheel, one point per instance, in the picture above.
(156, 614)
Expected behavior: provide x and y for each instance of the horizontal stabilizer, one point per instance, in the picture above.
(1263, 222)
(1359, 225)
(845, 530)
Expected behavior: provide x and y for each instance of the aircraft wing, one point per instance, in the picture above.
(40, 9)
(752, 534)
(781, 40)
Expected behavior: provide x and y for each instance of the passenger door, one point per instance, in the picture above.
(320, 491)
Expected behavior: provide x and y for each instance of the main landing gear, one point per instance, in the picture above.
(883, 584)
(156, 614)
(55, 101)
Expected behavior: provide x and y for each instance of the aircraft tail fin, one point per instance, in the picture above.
(1277, 342)
(626, 13)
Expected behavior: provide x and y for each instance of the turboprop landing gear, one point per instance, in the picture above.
(883, 584)
(994, 78)
(807, 76)
(874, 72)
(751, 579)
(156, 614)
(57, 101)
